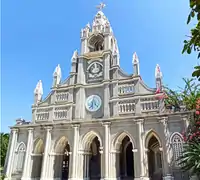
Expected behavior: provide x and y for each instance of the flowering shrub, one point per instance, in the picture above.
(193, 131)
(190, 159)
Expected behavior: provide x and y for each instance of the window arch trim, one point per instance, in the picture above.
(19, 145)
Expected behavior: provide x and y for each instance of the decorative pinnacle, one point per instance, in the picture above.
(74, 56)
(135, 58)
(100, 6)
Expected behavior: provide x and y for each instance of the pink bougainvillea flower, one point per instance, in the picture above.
(158, 91)
(197, 112)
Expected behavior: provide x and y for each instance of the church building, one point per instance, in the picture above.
(100, 123)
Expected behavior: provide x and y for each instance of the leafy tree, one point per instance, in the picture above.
(2, 176)
(4, 146)
(193, 43)
(186, 96)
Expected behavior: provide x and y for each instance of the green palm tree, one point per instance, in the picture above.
(190, 159)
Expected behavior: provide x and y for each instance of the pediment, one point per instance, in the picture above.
(48, 100)
(123, 75)
(144, 89)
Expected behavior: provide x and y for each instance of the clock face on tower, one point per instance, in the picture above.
(93, 103)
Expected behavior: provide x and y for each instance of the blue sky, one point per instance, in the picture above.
(37, 35)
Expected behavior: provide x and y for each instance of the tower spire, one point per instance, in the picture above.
(100, 6)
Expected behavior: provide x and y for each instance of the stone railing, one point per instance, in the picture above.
(149, 104)
(60, 113)
(126, 89)
(62, 96)
(43, 114)
(50, 114)
(126, 107)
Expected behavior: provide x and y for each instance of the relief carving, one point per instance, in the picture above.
(95, 72)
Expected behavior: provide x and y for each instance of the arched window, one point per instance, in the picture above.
(20, 157)
(177, 146)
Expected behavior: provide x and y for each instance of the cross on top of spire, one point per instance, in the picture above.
(100, 6)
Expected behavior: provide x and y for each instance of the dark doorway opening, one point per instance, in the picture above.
(126, 159)
(65, 163)
(95, 160)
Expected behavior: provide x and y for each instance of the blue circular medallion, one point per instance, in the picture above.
(93, 103)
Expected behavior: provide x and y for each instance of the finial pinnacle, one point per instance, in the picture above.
(100, 6)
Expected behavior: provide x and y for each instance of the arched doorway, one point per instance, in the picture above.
(62, 159)
(154, 159)
(91, 144)
(37, 158)
(95, 160)
(126, 162)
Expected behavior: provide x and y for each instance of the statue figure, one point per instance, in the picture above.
(158, 73)
(57, 75)
(38, 92)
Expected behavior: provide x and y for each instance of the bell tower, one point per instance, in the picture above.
(99, 53)
(99, 35)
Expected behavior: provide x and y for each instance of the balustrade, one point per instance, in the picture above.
(42, 115)
(60, 113)
(126, 89)
(62, 96)
(126, 107)
(149, 104)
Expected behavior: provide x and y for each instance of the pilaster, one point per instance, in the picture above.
(186, 121)
(9, 169)
(106, 149)
(143, 157)
(74, 163)
(27, 162)
(166, 147)
(106, 101)
(115, 103)
(45, 161)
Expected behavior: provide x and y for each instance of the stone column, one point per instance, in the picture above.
(8, 171)
(106, 149)
(75, 152)
(102, 162)
(27, 162)
(142, 155)
(114, 164)
(135, 165)
(87, 165)
(166, 150)
(45, 160)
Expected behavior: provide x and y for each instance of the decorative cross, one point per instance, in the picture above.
(101, 6)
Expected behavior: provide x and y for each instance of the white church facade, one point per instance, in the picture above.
(99, 123)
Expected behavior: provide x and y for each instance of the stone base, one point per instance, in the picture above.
(168, 177)
(143, 178)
